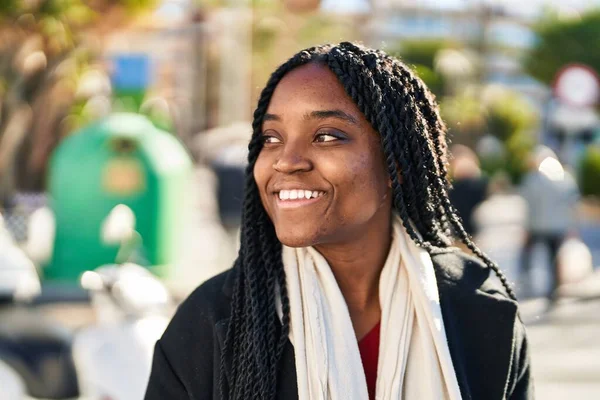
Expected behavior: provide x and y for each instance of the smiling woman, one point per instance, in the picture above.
(316, 139)
(346, 285)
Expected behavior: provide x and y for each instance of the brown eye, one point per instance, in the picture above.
(268, 139)
(324, 137)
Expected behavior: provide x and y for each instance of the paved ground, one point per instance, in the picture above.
(565, 340)
(565, 347)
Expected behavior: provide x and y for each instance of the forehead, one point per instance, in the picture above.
(311, 85)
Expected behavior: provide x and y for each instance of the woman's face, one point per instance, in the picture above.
(321, 173)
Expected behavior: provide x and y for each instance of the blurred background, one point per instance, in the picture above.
(123, 133)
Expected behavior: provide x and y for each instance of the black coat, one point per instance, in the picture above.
(486, 338)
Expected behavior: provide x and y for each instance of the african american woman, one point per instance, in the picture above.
(346, 285)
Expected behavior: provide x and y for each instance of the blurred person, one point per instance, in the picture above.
(551, 195)
(469, 186)
(346, 286)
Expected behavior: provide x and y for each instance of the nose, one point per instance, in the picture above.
(292, 160)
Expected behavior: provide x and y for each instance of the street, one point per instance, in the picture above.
(565, 341)
(565, 349)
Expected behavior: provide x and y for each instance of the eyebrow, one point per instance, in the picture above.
(320, 114)
(338, 114)
(271, 117)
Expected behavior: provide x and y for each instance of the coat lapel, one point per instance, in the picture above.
(479, 326)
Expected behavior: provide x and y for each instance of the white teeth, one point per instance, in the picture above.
(299, 194)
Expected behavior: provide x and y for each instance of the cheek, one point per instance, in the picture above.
(369, 180)
(362, 184)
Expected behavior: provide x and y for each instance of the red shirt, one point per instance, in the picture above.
(369, 353)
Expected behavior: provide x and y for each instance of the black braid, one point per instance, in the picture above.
(413, 139)
(252, 331)
(434, 129)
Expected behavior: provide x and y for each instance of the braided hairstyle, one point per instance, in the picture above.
(404, 112)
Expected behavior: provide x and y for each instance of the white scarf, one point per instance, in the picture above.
(414, 359)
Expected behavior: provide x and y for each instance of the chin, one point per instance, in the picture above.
(294, 237)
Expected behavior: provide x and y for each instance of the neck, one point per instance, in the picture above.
(357, 265)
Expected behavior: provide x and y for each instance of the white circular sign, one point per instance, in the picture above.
(577, 85)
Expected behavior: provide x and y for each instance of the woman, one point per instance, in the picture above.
(346, 286)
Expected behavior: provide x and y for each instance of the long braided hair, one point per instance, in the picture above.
(403, 111)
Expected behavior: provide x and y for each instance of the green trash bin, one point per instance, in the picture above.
(122, 159)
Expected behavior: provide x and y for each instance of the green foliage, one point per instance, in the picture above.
(54, 33)
(63, 9)
(509, 113)
(8, 7)
(561, 42)
(434, 81)
(419, 52)
(465, 117)
(589, 172)
(421, 56)
(511, 119)
(138, 5)
(518, 147)
(503, 114)
(265, 34)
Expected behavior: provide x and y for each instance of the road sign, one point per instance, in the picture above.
(131, 71)
(577, 85)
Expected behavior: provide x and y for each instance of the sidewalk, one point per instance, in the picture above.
(565, 344)
(565, 340)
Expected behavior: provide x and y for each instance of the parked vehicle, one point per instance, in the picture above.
(107, 360)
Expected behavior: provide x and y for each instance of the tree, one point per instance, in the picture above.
(420, 55)
(561, 42)
(500, 113)
(44, 48)
(589, 171)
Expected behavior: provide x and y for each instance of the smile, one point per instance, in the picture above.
(297, 197)
(299, 194)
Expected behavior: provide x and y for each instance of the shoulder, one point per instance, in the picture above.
(192, 329)
(206, 305)
(478, 311)
(457, 270)
(212, 293)
(187, 354)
